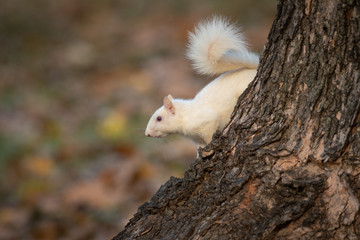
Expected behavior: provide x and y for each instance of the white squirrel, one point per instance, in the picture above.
(215, 47)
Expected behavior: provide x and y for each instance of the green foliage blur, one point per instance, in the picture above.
(78, 82)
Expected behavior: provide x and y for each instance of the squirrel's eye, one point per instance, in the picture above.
(159, 118)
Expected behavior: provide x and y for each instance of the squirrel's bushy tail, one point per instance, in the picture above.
(217, 46)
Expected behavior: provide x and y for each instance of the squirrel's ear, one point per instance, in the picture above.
(170, 97)
(169, 106)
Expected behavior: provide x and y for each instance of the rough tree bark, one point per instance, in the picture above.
(288, 164)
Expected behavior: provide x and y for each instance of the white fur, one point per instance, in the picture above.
(215, 47)
(218, 46)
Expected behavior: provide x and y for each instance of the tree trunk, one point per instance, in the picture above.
(288, 164)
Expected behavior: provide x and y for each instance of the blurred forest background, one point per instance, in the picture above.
(78, 83)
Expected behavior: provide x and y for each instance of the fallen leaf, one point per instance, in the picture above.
(39, 165)
(113, 126)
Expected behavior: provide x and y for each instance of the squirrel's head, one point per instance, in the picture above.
(164, 121)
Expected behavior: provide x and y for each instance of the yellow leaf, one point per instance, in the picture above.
(113, 126)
